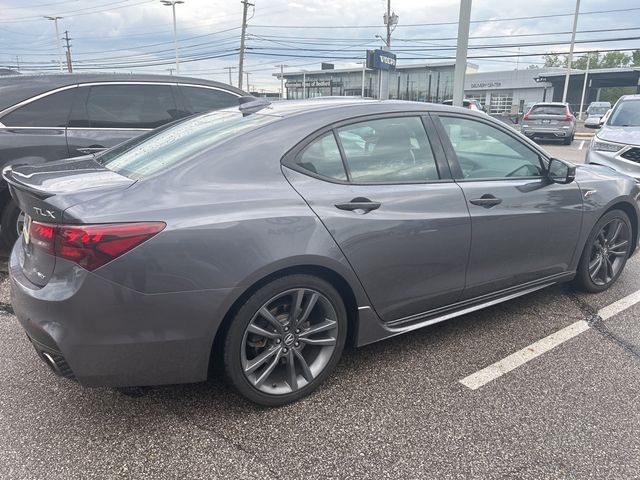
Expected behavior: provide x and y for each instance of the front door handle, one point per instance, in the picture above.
(93, 149)
(360, 203)
(487, 201)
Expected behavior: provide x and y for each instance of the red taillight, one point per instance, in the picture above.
(91, 246)
(567, 115)
(526, 116)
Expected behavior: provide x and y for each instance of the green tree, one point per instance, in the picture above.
(553, 60)
(635, 58)
(614, 59)
(581, 62)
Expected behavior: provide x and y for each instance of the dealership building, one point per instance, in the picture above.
(501, 92)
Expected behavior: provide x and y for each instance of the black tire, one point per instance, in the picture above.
(236, 340)
(568, 140)
(8, 222)
(584, 280)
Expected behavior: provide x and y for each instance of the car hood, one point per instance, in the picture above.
(624, 135)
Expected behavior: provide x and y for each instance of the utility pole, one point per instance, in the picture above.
(391, 21)
(364, 71)
(55, 20)
(69, 64)
(246, 5)
(282, 65)
(570, 60)
(230, 79)
(247, 75)
(464, 22)
(17, 64)
(172, 4)
(170, 70)
(584, 85)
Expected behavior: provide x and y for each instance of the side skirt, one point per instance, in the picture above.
(371, 329)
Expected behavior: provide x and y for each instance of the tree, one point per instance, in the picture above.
(552, 60)
(635, 58)
(581, 62)
(614, 59)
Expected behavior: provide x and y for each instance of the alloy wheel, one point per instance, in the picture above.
(608, 252)
(289, 341)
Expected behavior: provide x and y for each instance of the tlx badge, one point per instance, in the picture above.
(44, 213)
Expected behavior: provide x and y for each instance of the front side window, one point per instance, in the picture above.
(322, 157)
(201, 99)
(484, 151)
(50, 111)
(131, 106)
(390, 150)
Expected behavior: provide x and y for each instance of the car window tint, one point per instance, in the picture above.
(131, 106)
(484, 151)
(49, 111)
(388, 150)
(206, 99)
(322, 157)
(548, 110)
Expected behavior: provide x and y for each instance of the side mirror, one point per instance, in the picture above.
(561, 172)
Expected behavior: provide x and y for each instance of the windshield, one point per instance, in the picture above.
(173, 143)
(597, 110)
(626, 114)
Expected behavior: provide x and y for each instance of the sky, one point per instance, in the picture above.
(137, 35)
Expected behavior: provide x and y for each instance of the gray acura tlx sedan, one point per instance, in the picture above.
(267, 238)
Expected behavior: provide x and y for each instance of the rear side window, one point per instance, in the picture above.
(130, 106)
(50, 111)
(175, 143)
(390, 150)
(201, 99)
(548, 110)
(322, 157)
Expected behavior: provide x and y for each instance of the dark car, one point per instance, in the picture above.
(267, 241)
(50, 117)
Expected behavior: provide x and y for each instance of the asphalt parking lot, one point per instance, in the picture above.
(395, 409)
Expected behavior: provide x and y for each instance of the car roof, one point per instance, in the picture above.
(17, 88)
(554, 104)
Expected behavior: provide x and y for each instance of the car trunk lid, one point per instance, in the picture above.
(44, 192)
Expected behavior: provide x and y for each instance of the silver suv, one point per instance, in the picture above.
(550, 120)
(617, 143)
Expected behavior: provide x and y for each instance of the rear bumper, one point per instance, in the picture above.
(102, 333)
(547, 132)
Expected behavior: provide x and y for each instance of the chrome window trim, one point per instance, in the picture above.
(210, 87)
(111, 128)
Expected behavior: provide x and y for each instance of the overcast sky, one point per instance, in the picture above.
(118, 35)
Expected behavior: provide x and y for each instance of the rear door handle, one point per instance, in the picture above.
(359, 203)
(88, 150)
(487, 201)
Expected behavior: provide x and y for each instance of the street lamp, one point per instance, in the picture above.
(55, 20)
(172, 4)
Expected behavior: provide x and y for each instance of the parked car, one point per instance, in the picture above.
(595, 112)
(617, 143)
(469, 103)
(550, 120)
(50, 117)
(258, 241)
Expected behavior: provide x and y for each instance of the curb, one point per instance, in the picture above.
(584, 135)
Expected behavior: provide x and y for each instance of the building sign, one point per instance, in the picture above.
(484, 85)
(312, 83)
(381, 60)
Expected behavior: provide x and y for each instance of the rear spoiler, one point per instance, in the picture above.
(250, 104)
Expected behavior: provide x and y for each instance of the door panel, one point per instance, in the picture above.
(531, 234)
(410, 253)
(524, 227)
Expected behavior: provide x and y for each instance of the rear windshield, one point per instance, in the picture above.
(626, 114)
(597, 110)
(548, 110)
(176, 142)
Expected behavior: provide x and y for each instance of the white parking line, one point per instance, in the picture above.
(519, 358)
(581, 145)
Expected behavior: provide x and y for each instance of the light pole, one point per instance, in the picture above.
(461, 52)
(584, 85)
(55, 20)
(172, 4)
(282, 80)
(570, 59)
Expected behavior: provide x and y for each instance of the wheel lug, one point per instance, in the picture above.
(278, 341)
(285, 349)
(286, 329)
(297, 344)
(297, 330)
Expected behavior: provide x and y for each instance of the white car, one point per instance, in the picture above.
(595, 113)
